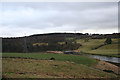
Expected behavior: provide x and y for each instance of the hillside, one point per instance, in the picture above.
(96, 46)
(84, 43)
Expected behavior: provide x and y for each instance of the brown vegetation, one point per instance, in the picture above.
(102, 65)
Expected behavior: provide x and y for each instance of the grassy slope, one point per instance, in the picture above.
(30, 68)
(110, 49)
(60, 57)
(92, 43)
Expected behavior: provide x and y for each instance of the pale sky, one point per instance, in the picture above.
(20, 18)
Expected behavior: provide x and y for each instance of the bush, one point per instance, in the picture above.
(52, 58)
(108, 41)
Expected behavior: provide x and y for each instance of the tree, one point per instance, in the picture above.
(108, 41)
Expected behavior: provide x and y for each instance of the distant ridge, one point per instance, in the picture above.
(48, 34)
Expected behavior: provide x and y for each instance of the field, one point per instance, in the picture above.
(40, 65)
(64, 66)
(90, 47)
(59, 57)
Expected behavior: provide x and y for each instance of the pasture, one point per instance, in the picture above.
(90, 47)
(31, 68)
(58, 57)
(40, 65)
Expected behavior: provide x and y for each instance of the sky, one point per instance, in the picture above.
(28, 18)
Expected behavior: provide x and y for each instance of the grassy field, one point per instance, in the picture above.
(108, 50)
(39, 65)
(59, 57)
(31, 68)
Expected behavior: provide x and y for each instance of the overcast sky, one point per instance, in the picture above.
(28, 18)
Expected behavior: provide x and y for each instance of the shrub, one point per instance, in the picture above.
(52, 58)
(108, 41)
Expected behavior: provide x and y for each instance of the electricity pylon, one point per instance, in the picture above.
(25, 45)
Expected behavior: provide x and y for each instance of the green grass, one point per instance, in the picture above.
(59, 57)
(30, 68)
(70, 38)
(108, 50)
(92, 43)
(111, 49)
